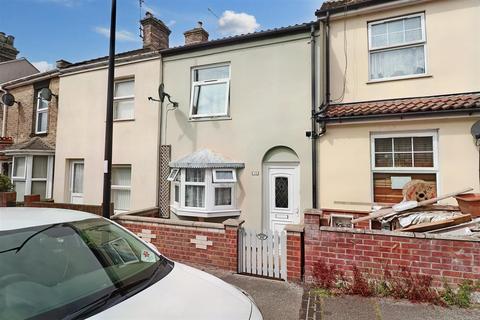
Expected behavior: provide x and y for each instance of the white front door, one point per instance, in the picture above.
(76, 182)
(283, 196)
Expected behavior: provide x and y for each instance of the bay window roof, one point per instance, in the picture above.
(33, 145)
(205, 158)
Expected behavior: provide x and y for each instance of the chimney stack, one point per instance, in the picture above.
(196, 35)
(7, 50)
(60, 64)
(155, 32)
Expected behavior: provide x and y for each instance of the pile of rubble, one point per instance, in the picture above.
(419, 212)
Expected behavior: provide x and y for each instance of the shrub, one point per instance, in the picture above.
(5, 184)
(461, 298)
(326, 275)
(360, 285)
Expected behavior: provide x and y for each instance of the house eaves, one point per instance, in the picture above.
(249, 37)
(30, 79)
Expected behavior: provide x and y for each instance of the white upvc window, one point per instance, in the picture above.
(121, 187)
(124, 100)
(173, 174)
(32, 174)
(41, 114)
(408, 151)
(195, 193)
(397, 47)
(224, 175)
(210, 91)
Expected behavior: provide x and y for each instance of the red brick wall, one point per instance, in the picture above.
(34, 201)
(8, 199)
(197, 243)
(294, 253)
(373, 250)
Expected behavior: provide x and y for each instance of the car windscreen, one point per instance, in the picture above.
(74, 269)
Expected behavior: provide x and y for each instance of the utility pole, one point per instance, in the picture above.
(107, 164)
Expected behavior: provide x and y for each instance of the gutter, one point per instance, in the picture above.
(363, 8)
(468, 111)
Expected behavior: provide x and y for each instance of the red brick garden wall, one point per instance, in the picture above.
(198, 243)
(450, 259)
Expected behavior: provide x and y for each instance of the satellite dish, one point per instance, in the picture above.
(475, 130)
(161, 92)
(8, 99)
(46, 94)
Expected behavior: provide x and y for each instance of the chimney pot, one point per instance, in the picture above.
(196, 35)
(155, 32)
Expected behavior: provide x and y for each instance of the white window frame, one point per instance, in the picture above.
(27, 177)
(335, 215)
(173, 174)
(410, 44)
(39, 111)
(123, 187)
(123, 98)
(408, 134)
(210, 82)
(217, 180)
(209, 209)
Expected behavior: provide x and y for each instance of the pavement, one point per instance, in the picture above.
(280, 300)
(276, 299)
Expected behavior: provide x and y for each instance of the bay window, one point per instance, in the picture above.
(210, 91)
(398, 158)
(397, 47)
(32, 174)
(204, 192)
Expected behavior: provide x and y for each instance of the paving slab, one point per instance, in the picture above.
(349, 307)
(278, 300)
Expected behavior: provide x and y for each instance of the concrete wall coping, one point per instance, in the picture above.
(314, 212)
(233, 222)
(138, 212)
(183, 223)
(418, 235)
(299, 228)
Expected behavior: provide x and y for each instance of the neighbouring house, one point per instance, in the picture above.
(404, 93)
(237, 133)
(81, 126)
(30, 123)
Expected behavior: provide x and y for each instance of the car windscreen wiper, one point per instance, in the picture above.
(124, 292)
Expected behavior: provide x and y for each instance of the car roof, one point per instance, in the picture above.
(20, 218)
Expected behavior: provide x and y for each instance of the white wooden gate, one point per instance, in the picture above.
(262, 254)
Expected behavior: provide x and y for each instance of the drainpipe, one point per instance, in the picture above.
(314, 134)
(4, 117)
(326, 101)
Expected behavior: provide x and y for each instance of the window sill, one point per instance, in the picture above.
(205, 214)
(399, 78)
(216, 118)
(124, 120)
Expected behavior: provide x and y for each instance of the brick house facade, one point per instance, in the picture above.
(30, 124)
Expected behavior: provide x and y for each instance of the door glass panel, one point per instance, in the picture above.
(77, 178)
(281, 192)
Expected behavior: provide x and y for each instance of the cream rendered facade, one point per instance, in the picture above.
(452, 51)
(269, 108)
(81, 132)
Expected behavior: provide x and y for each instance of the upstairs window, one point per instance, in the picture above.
(124, 100)
(41, 115)
(397, 47)
(210, 91)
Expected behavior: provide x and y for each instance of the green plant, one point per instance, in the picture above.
(461, 297)
(5, 184)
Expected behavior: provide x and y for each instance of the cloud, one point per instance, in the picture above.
(43, 66)
(171, 23)
(233, 23)
(121, 35)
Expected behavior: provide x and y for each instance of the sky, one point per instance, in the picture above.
(74, 30)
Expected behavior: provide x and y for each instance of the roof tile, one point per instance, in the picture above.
(405, 105)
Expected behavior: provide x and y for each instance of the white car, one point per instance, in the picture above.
(63, 264)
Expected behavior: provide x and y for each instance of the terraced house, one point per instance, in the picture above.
(334, 114)
(403, 93)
